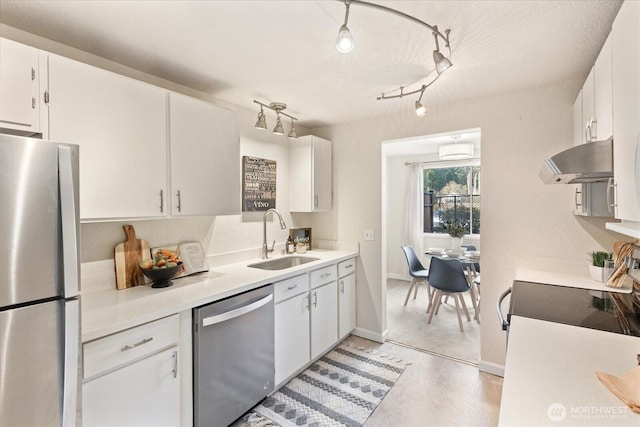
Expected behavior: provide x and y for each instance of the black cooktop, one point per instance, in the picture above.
(606, 311)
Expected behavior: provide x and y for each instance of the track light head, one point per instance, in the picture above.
(421, 110)
(292, 133)
(344, 42)
(262, 121)
(278, 129)
(442, 62)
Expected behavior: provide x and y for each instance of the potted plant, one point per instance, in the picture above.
(596, 269)
(456, 229)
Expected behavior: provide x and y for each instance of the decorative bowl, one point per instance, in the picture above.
(161, 276)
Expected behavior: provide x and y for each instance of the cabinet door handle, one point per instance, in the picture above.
(290, 288)
(33, 103)
(342, 286)
(179, 201)
(611, 185)
(348, 266)
(161, 201)
(138, 344)
(325, 275)
(315, 201)
(576, 198)
(315, 299)
(175, 364)
(306, 307)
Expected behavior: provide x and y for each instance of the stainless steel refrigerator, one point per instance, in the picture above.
(39, 283)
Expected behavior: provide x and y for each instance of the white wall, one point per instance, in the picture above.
(521, 217)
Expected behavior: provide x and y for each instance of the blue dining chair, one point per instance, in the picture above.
(417, 272)
(447, 278)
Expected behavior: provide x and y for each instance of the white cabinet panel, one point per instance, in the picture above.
(578, 127)
(19, 88)
(588, 107)
(291, 336)
(324, 318)
(603, 92)
(205, 158)
(120, 125)
(346, 305)
(144, 393)
(626, 108)
(310, 174)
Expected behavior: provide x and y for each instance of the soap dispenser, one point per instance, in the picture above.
(290, 248)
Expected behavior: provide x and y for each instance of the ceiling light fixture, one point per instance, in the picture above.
(456, 151)
(278, 107)
(345, 43)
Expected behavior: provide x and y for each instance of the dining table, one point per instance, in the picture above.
(470, 261)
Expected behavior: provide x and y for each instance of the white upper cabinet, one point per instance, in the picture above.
(626, 108)
(597, 101)
(120, 125)
(310, 174)
(205, 158)
(19, 87)
(603, 90)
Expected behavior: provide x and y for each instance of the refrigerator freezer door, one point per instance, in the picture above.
(31, 364)
(29, 220)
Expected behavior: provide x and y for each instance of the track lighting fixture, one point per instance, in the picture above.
(345, 43)
(278, 107)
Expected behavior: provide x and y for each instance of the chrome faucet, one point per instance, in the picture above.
(265, 248)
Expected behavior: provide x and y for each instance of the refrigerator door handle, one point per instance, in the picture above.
(71, 362)
(69, 209)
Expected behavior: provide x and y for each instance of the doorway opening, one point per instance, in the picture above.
(450, 192)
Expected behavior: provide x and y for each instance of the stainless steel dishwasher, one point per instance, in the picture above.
(233, 356)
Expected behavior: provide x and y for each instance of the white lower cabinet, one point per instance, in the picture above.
(292, 331)
(144, 393)
(346, 297)
(324, 318)
(306, 318)
(132, 378)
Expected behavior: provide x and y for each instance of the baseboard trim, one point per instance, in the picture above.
(370, 335)
(491, 368)
(397, 276)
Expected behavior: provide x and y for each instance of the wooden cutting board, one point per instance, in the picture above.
(128, 255)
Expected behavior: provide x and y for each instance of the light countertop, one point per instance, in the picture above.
(112, 310)
(550, 375)
(564, 279)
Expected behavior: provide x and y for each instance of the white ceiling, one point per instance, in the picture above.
(276, 50)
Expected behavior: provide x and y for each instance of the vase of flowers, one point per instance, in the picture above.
(457, 230)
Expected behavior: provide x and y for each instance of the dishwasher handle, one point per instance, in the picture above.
(232, 314)
(503, 323)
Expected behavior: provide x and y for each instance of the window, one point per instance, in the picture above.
(452, 194)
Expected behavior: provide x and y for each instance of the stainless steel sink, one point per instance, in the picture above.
(283, 263)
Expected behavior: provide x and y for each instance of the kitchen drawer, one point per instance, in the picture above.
(346, 267)
(123, 347)
(323, 275)
(290, 288)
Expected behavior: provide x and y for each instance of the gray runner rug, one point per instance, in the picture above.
(340, 389)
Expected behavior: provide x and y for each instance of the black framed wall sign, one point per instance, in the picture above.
(258, 184)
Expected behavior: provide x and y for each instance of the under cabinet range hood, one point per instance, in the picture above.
(589, 162)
